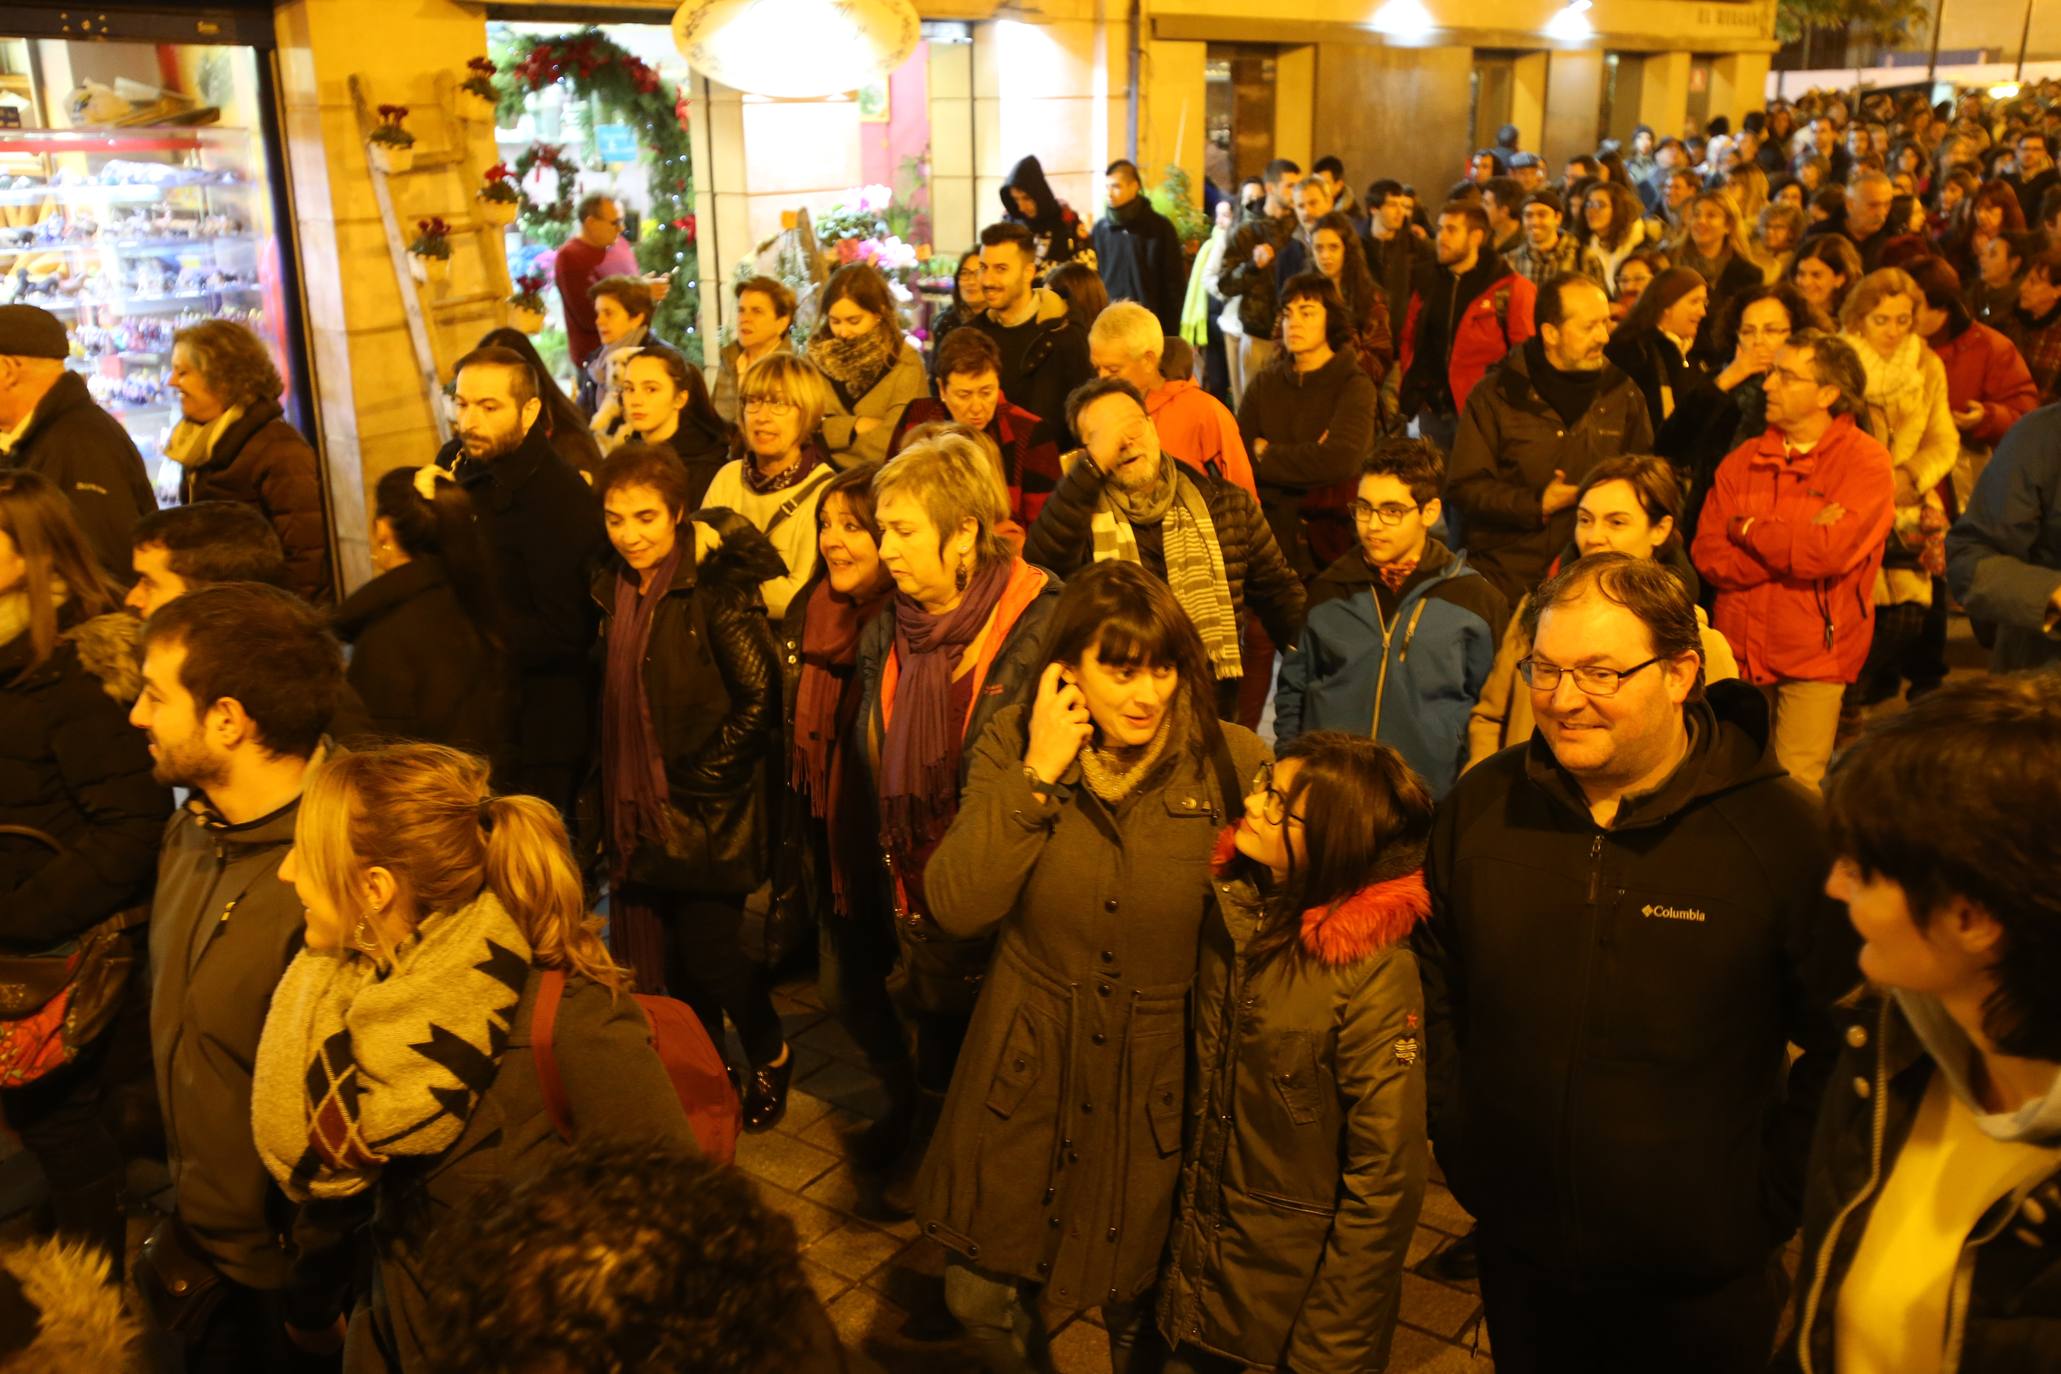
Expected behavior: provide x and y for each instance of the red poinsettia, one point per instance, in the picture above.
(498, 172)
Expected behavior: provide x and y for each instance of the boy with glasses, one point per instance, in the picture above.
(1401, 633)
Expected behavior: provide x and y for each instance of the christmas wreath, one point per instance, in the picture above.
(547, 222)
(626, 89)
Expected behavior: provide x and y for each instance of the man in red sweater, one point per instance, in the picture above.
(1792, 537)
(598, 250)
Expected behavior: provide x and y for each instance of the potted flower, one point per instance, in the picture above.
(429, 257)
(500, 198)
(476, 97)
(393, 147)
(526, 306)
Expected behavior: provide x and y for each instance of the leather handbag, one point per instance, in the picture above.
(54, 1004)
(178, 1283)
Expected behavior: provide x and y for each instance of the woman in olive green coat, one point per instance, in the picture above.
(1305, 1172)
(1085, 835)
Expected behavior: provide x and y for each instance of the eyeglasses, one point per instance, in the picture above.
(771, 405)
(1273, 804)
(1365, 514)
(1774, 333)
(1590, 681)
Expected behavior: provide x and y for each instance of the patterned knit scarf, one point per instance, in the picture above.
(1393, 575)
(1194, 559)
(1112, 776)
(357, 1066)
(855, 365)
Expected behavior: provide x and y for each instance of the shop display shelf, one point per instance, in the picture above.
(126, 247)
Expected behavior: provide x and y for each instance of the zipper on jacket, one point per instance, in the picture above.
(1807, 1323)
(1380, 678)
(1964, 1271)
(1572, 1148)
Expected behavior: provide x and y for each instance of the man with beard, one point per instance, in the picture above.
(1125, 498)
(1043, 354)
(1465, 313)
(544, 527)
(1533, 429)
(1138, 250)
(239, 682)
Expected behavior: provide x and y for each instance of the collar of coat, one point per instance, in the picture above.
(1355, 927)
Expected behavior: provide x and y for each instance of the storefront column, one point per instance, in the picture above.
(1396, 112)
(1055, 90)
(1738, 83)
(956, 216)
(1574, 98)
(1295, 105)
(1172, 112)
(368, 391)
(1656, 94)
(1528, 103)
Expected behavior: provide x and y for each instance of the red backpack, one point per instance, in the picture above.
(692, 1062)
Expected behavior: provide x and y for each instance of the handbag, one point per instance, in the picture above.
(178, 1283)
(54, 1004)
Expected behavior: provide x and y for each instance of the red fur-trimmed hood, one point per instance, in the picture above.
(1347, 931)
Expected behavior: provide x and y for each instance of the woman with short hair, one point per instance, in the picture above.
(1082, 847)
(622, 321)
(395, 1066)
(874, 372)
(958, 644)
(690, 723)
(1776, 237)
(666, 403)
(1825, 268)
(234, 443)
(779, 479)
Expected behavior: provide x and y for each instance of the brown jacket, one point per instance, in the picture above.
(1059, 1149)
(263, 461)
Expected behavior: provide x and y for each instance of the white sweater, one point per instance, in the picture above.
(795, 538)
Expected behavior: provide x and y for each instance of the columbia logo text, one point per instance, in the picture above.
(1671, 913)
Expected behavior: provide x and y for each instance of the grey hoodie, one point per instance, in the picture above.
(2036, 1123)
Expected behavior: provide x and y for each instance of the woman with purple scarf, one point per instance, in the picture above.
(690, 723)
(959, 642)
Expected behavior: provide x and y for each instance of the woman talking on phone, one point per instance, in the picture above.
(1084, 837)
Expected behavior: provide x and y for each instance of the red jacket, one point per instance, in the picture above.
(1028, 451)
(1796, 599)
(1484, 335)
(1982, 365)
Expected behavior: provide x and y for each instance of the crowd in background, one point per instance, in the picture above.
(1232, 729)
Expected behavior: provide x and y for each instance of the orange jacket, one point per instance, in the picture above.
(1197, 429)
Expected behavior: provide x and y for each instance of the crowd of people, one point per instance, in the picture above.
(1407, 688)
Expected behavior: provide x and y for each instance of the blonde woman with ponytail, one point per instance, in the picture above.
(395, 1064)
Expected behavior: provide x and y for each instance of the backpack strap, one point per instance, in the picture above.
(1227, 779)
(543, 1021)
(821, 477)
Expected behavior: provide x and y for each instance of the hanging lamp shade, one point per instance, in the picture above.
(796, 48)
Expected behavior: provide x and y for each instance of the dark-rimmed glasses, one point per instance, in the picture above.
(1589, 680)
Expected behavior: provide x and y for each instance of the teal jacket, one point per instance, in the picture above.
(1407, 679)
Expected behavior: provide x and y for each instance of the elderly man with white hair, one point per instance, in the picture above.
(1194, 426)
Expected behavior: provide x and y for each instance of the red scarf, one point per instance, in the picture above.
(824, 708)
(1393, 575)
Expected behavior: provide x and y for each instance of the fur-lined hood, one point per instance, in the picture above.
(111, 648)
(80, 1324)
(1357, 927)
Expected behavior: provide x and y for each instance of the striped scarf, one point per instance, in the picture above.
(1194, 559)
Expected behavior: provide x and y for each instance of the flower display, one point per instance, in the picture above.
(432, 238)
(390, 130)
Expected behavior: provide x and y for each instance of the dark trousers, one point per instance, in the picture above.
(1540, 1324)
(247, 1332)
(1898, 629)
(63, 1120)
(854, 955)
(1925, 665)
(707, 969)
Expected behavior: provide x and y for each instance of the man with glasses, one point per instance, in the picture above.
(1401, 633)
(1791, 537)
(598, 250)
(1628, 931)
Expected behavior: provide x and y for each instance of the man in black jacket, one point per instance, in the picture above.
(1628, 931)
(544, 527)
(1124, 498)
(1044, 354)
(1138, 250)
(50, 425)
(1249, 273)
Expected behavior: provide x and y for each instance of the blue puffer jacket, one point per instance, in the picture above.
(1409, 679)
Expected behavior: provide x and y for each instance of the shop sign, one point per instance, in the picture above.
(615, 142)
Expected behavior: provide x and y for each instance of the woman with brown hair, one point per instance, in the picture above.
(233, 441)
(667, 404)
(1824, 270)
(1335, 254)
(690, 727)
(1611, 229)
(1991, 212)
(873, 371)
(1080, 286)
(396, 1064)
(1082, 846)
(78, 778)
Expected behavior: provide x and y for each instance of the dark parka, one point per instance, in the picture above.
(1063, 539)
(262, 461)
(712, 682)
(702, 451)
(1319, 427)
(1138, 253)
(85, 453)
(1059, 1149)
(72, 767)
(1608, 1010)
(1250, 285)
(1306, 1157)
(616, 1089)
(419, 662)
(2004, 1313)
(1510, 443)
(543, 523)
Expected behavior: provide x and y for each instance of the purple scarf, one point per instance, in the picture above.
(632, 769)
(919, 759)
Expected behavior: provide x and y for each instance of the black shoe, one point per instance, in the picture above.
(880, 1144)
(765, 1094)
(1459, 1262)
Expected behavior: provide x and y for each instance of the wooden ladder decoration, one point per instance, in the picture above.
(420, 300)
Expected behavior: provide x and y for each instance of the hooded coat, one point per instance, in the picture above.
(1305, 1165)
(1059, 1149)
(1318, 427)
(1609, 1010)
(262, 461)
(2004, 553)
(1060, 235)
(419, 662)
